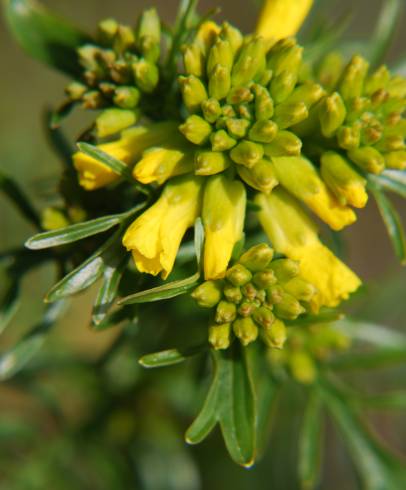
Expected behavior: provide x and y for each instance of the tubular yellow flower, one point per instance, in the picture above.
(298, 176)
(129, 148)
(293, 233)
(223, 218)
(155, 236)
(282, 18)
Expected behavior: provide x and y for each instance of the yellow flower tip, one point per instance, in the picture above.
(155, 236)
(223, 218)
(282, 18)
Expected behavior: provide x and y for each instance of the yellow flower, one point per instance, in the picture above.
(129, 148)
(155, 236)
(223, 218)
(293, 233)
(282, 18)
(298, 176)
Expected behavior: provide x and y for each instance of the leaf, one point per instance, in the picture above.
(19, 199)
(170, 356)
(310, 442)
(231, 402)
(391, 180)
(117, 166)
(371, 333)
(169, 290)
(369, 360)
(12, 361)
(390, 400)
(113, 319)
(9, 304)
(325, 315)
(392, 222)
(377, 468)
(85, 274)
(44, 36)
(108, 291)
(389, 18)
(199, 241)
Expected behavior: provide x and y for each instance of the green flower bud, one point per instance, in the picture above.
(274, 294)
(302, 367)
(349, 137)
(239, 95)
(264, 279)
(285, 55)
(275, 335)
(124, 39)
(232, 293)
(308, 92)
(262, 176)
(246, 330)
(121, 73)
(113, 120)
(263, 316)
(287, 115)
(285, 269)
(228, 111)
(107, 29)
(368, 158)
(75, 90)
(257, 258)
(247, 153)
(88, 57)
(237, 128)
(377, 81)
(219, 82)
(211, 110)
(249, 291)
(149, 35)
(146, 75)
(221, 141)
(249, 61)
(397, 87)
(193, 92)
(396, 160)
(352, 82)
(196, 130)
(284, 144)
(219, 336)
(220, 54)
(208, 294)
(288, 308)
(264, 106)
(211, 162)
(238, 275)
(225, 312)
(126, 97)
(300, 289)
(53, 219)
(246, 308)
(232, 35)
(391, 142)
(93, 100)
(282, 85)
(330, 69)
(263, 131)
(193, 60)
(332, 114)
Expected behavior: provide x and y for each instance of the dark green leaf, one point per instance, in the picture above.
(114, 319)
(117, 166)
(310, 442)
(392, 222)
(9, 304)
(44, 36)
(87, 273)
(391, 180)
(170, 356)
(19, 199)
(16, 358)
(166, 291)
(378, 469)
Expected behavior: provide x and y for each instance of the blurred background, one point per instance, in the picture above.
(26, 89)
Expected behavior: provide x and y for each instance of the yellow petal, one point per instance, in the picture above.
(282, 18)
(300, 178)
(293, 233)
(223, 218)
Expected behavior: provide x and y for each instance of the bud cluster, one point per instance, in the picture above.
(242, 97)
(306, 347)
(118, 68)
(255, 298)
(363, 115)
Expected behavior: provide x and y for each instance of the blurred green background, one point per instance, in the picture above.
(27, 88)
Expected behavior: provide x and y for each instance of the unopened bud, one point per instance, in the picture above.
(300, 289)
(246, 330)
(208, 294)
(75, 90)
(330, 70)
(219, 82)
(263, 316)
(275, 335)
(396, 160)
(352, 82)
(219, 336)
(368, 158)
(149, 35)
(232, 293)
(238, 275)
(308, 92)
(377, 81)
(288, 308)
(282, 85)
(220, 54)
(239, 95)
(107, 30)
(211, 110)
(93, 100)
(257, 258)
(349, 137)
(264, 279)
(247, 153)
(246, 308)
(248, 63)
(287, 115)
(146, 75)
(225, 312)
(264, 105)
(196, 130)
(397, 87)
(285, 143)
(285, 269)
(237, 128)
(303, 367)
(274, 294)
(124, 39)
(126, 97)
(222, 141)
(249, 291)
(332, 114)
(113, 120)
(193, 92)
(285, 55)
(211, 162)
(232, 35)
(263, 131)
(53, 219)
(262, 176)
(193, 60)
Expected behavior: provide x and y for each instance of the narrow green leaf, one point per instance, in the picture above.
(310, 442)
(373, 334)
(113, 319)
(391, 180)
(392, 222)
(267, 392)
(166, 291)
(199, 241)
(44, 36)
(19, 199)
(9, 304)
(370, 360)
(12, 361)
(170, 356)
(388, 20)
(391, 400)
(85, 274)
(117, 166)
(326, 315)
(378, 469)
(59, 143)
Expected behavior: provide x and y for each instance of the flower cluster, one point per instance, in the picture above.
(256, 296)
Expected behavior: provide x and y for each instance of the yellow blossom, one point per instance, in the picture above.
(282, 18)
(300, 178)
(293, 233)
(129, 148)
(155, 236)
(223, 218)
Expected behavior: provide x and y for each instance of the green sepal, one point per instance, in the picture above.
(170, 357)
